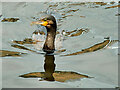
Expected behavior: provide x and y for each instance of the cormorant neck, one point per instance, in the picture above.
(49, 46)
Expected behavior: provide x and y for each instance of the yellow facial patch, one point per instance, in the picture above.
(44, 23)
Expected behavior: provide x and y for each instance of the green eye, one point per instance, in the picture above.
(45, 19)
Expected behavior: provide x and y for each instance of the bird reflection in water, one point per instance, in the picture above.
(51, 75)
(49, 67)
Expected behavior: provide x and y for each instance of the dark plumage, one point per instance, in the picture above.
(50, 23)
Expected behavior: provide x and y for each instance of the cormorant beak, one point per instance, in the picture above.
(43, 23)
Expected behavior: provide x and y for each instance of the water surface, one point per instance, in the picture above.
(102, 64)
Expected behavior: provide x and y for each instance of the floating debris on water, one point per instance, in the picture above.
(10, 19)
(112, 42)
(79, 32)
(97, 46)
(61, 8)
(33, 17)
(59, 51)
(53, 5)
(71, 11)
(92, 4)
(100, 3)
(112, 6)
(66, 16)
(87, 3)
(112, 2)
(22, 47)
(91, 49)
(60, 76)
(25, 41)
(5, 53)
(39, 32)
(68, 33)
(82, 3)
(76, 32)
(82, 16)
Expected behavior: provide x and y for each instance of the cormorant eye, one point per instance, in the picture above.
(45, 19)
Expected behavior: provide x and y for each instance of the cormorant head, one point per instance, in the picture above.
(47, 20)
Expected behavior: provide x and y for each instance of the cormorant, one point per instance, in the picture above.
(49, 22)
